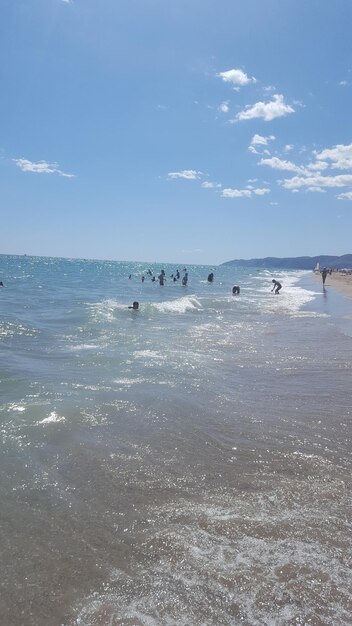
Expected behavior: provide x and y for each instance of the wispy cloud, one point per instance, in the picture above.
(41, 167)
(224, 107)
(343, 83)
(297, 182)
(244, 193)
(209, 185)
(340, 156)
(261, 192)
(258, 141)
(236, 77)
(186, 174)
(236, 193)
(280, 164)
(345, 196)
(267, 111)
(311, 177)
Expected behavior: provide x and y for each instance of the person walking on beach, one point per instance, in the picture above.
(324, 274)
(277, 286)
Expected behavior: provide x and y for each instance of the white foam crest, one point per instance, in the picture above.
(106, 308)
(54, 417)
(181, 305)
(16, 407)
(84, 346)
(292, 297)
(149, 354)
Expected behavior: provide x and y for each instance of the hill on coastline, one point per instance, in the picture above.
(295, 263)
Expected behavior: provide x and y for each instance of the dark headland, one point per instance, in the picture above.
(295, 263)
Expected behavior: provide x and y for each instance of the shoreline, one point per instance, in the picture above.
(340, 282)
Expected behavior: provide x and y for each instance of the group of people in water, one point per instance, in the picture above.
(162, 277)
(175, 277)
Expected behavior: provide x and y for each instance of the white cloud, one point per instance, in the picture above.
(317, 166)
(236, 77)
(41, 167)
(224, 107)
(340, 156)
(297, 182)
(186, 174)
(208, 185)
(259, 140)
(343, 83)
(261, 192)
(278, 164)
(316, 189)
(267, 111)
(288, 147)
(345, 196)
(236, 193)
(244, 193)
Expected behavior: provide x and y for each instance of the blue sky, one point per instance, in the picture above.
(187, 131)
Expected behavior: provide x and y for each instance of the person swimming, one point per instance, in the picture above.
(235, 289)
(210, 277)
(135, 306)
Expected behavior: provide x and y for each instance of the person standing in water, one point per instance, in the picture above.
(277, 286)
(324, 274)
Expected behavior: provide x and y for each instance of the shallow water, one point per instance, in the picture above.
(185, 464)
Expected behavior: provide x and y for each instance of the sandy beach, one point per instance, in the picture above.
(341, 282)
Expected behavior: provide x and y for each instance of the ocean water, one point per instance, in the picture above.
(188, 463)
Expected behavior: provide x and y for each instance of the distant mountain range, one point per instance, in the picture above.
(295, 263)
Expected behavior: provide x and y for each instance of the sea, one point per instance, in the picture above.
(184, 464)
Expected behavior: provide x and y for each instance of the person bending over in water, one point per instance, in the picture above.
(235, 289)
(277, 286)
(135, 306)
